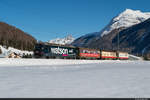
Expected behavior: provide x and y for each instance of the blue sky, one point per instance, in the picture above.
(49, 19)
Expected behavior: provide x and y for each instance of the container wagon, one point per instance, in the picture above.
(108, 55)
(86, 53)
(123, 55)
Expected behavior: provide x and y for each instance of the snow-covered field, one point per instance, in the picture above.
(73, 78)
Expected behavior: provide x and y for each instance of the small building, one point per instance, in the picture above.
(13, 55)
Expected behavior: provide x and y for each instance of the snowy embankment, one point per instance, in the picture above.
(9, 50)
(132, 57)
(45, 62)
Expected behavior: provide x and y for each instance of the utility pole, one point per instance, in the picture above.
(118, 42)
(118, 46)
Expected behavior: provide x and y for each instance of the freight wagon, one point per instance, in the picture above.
(85, 53)
(108, 54)
(47, 50)
(123, 55)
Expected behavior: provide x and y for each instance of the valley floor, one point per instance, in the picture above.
(37, 78)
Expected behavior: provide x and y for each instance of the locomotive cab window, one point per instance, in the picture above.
(46, 50)
(39, 47)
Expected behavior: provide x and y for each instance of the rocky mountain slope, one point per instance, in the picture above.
(108, 37)
(135, 39)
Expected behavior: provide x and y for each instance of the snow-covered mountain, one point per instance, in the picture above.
(126, 19)
(66, 40)
(122, 21)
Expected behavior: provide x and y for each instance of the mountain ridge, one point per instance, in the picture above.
(63, 41)
(121, 21)
(106, 41)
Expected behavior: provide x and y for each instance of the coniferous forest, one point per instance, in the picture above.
(11, 36)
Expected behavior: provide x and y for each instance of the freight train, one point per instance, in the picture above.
(48, 50)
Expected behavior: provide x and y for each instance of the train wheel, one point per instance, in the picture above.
(47, 57)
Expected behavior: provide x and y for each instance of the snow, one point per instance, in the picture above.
(132, 57)
(126, 19)
(42, 62)
(6, 52)
(27, 78)
(67, 40)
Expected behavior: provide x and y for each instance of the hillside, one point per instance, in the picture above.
(135, 39)
(11, 36)
(107, 38)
